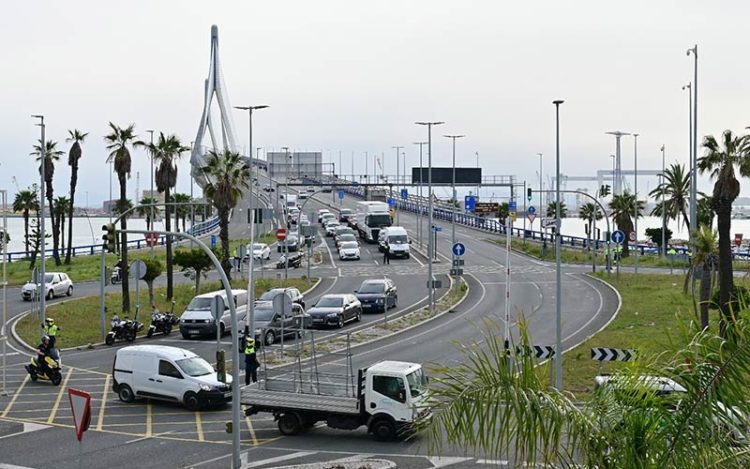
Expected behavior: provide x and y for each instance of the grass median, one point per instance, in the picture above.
(653, 309)
(79, 318)
(87, 267)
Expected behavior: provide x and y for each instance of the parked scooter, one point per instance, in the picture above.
(123, 330)
(53, 373)
(116, 276)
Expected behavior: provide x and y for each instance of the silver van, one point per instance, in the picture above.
(197, 320)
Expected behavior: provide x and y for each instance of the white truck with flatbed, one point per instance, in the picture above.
(371, 218)
(390, 396)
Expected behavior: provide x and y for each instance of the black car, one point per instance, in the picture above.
(291, 242)
(344, 214)
(377, 295)
(335, 310)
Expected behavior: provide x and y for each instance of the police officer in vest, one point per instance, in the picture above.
(251, 361)
(51, 329)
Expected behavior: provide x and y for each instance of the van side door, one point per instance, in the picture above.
(168, 383)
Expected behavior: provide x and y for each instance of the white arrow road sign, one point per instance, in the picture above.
(606, 354)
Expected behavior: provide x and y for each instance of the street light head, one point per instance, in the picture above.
(243, 108)
(558, 102)
(617, 133)
(662, 148)
(430, 123)
(262, 106)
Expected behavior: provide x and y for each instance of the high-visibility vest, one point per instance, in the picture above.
(51, 330)
(250, 347)
(672, 252)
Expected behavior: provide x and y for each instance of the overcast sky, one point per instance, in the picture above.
(353, 76)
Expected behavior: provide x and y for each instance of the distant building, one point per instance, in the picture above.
(158, 196)
(108, 206)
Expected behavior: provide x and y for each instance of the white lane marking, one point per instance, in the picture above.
(599, 310)
(155, 435)
(27, 427)
(443, 461)
(283, 457)
(494, 462)
(330, 253)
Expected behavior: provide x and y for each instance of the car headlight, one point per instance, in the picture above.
(381, 301)
(332, 315)
(205, 387)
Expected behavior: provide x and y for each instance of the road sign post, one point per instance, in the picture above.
(458, 250)
(618, 237)
(217, 311)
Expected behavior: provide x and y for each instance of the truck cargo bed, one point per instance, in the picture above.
(268, 400)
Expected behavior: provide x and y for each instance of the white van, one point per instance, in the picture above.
(168, 374)
(198, 321)
(397, 239)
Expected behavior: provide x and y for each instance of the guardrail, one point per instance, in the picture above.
(199, 229)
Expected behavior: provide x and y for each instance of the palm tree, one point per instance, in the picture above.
(182, 211)
(51, 154)
(623, 212)
(25, 202)
(117, 142)
(552, 209)
(62, 208)
(706, 259)
(145, 212)
(676, 187)
(720, 161)
(590, 212)
(228, 179)
(704, 211)
(166, 151)
(74, 155)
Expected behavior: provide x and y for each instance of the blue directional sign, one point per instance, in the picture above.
(213, 241)
(512, 205)
(404, 193)
(341, 195)
(391, 202)
(618, 236)
(531, 209)
(437, 228)
(470, 202)
(459, 249)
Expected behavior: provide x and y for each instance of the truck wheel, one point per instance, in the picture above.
(383, 429)
(125, 393)
(289, 424)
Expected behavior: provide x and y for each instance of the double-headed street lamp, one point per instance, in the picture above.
(694, 157)
(42, 239)
(430, 243)
(398, 187)
(151, 195)
(420, 229)
(558, 248)
(455, 200)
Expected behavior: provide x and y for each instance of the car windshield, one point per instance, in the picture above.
(200, 304)
(263, 314)
(258, 247)
(195, 366)
(269, 295)
(417, 382)
(378, 220)
(332, 225)
(291, 239)
(346, 211)
(48, 278)
(330, 302)
(397, 239)
(372, 287)
(347, 237)
(349, 245)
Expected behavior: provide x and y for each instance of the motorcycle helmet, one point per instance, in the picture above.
(115, 318)
(49, 321)
(45, 340)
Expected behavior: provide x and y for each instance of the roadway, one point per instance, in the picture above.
(120, 431)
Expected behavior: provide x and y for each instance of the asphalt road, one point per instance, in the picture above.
(165, 435)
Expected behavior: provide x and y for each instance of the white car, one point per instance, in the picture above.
(302, 195)
(55, 283)
(260, 251)
(322, 212)
(349, 250)
(331, 227)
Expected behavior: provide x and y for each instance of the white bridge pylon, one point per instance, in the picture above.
(605, 175)
(214, 86)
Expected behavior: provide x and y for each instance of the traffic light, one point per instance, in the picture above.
(605, 190)
(528, 194)
(221, 367)
(110, 237)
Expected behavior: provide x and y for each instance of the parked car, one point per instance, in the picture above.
(259, 250)
(377, 295)
(294, 294)
(197, 319)
(55, 284)
(335, 310)
(169, 374)
(344, 214)
(349, 250)
(331, 227)
(270, 324)
(322, 212)
(343, 238)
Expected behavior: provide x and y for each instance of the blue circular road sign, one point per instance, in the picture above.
(459, 249)
(531, 209)
(341, 195)
(618, 237)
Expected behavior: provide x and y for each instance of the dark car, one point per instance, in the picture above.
(270, 325)
(377, 295)
(344, 215)
(335, 310)
(291, 243)
(293, 293)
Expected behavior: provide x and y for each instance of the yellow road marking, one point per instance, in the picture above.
(15, 396)
(100, 419)
(103, 373)
(252, 431)
(63, 387)
(199, 426)
(148, 419)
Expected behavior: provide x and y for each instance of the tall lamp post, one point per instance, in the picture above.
(42, 240)
(453, 188)
(635, 189)
(694, 156)
(617, 180)
(663, 209)
(420, 228)
(430, 242)
(398, 152)
(250, 280)
(542, 208)
(558, 248)
(151, 194)
(286, 219)
(689, 88)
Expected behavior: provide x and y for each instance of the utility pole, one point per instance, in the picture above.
(398, 150)
(558, 248)
(151, 195)
(420, 228)
(453, 204)
(42, 289)
(635, 189)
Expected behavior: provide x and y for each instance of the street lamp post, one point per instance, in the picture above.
(42, 291)
(542, 208)
(453, 204)
(151, 195)
(286, 219)
(420, 228)
(663, 208)
(635, 189)
(558, 248)
(617, 181)
(694, 156)
(689, 88)
(398, 151)
(430, 241)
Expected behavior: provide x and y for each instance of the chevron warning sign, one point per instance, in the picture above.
(606, 354)
(542, 352)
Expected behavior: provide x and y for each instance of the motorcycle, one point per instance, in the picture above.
(116, 276)
(53, 372)
(123, 330)
(161, 322)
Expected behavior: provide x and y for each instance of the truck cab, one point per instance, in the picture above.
(394, 397)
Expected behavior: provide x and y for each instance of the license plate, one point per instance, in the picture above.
(366, 306)
(193, 331)
(317, 320)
